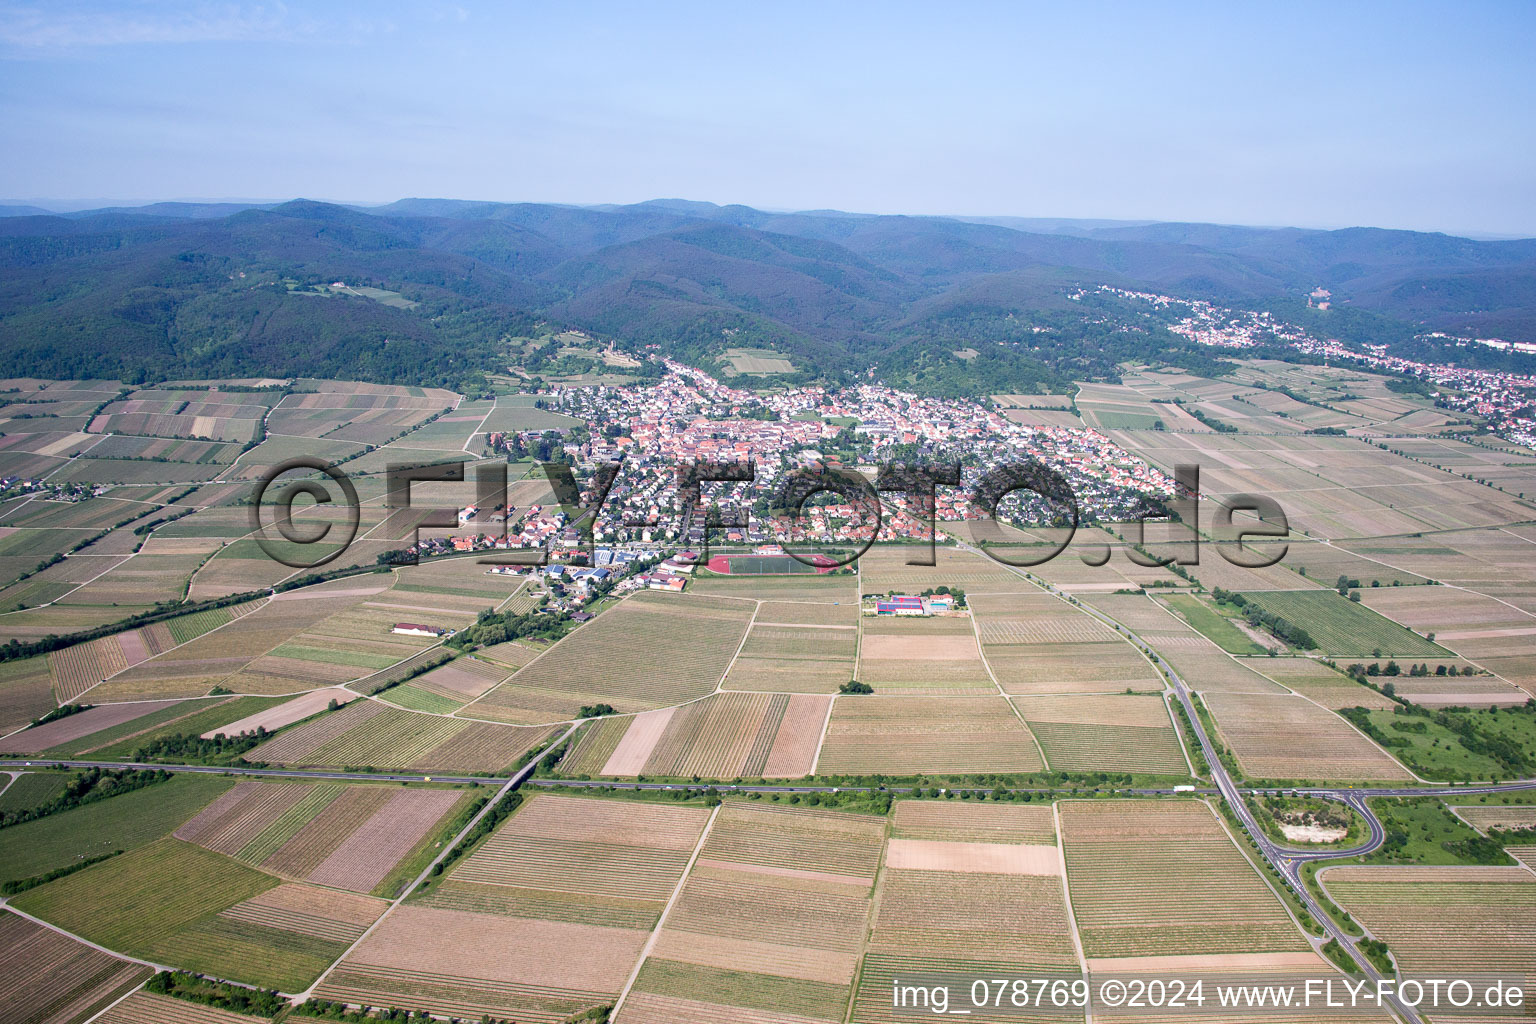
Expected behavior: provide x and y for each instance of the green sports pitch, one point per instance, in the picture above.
(762, 565)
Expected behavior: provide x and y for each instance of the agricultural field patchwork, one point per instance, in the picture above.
(561, 898)
(323, 635)
(648, 651)
(373, 733)
(1209, 669)
(770, 920)
(65, 732)
(1163, 878)
(1319, 683)
(1207, 619)
(724, 736)
(934, 655)
(676, 907)
(1344, 628)
(148, 1008)
(23, 791)
(45, 976)
(1289, 737)
(1498, 636)
(1444, 921)
(1484, 817)
(164, 902)
(797, 648)
(344, 836)
(884, 567)
(1338, 488)
(26, 692)
(77, 669)
(986, 901)
(1105, 732)
(900, 735)
(1036, 643)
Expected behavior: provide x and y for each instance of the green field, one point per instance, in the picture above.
(186, 628)
(1116, 420)
(218, 713)
(1216, 627)
(76, 747)
(417, 699)
(332, 656)
(121, 823)
(33, 790)
(1422, 830)
(1457, 745)
(162, 903)
(1345, 628)
(31, 593)
(130, 903)
(758, 360)
(777, 565)
(1428, 748)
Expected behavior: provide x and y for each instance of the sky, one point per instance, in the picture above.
(1398, 115)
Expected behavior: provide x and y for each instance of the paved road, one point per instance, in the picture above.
(508, 786)
(301, 773)
(1354, 797)
(1286, 861)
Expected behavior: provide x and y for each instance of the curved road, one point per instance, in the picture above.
(1285, 861)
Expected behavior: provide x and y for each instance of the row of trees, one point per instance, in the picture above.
(1281, 627)
(88, 787)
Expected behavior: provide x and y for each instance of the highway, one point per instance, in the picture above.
(1354, 797)
(296, 773)
(1285, 860)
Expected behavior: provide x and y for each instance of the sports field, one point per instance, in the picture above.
(765, 565)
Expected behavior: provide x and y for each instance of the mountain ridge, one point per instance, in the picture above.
(175, 285)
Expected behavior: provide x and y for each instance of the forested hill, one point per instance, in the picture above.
(184, 289)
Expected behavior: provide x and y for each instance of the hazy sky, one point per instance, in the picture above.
(1397, 115)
